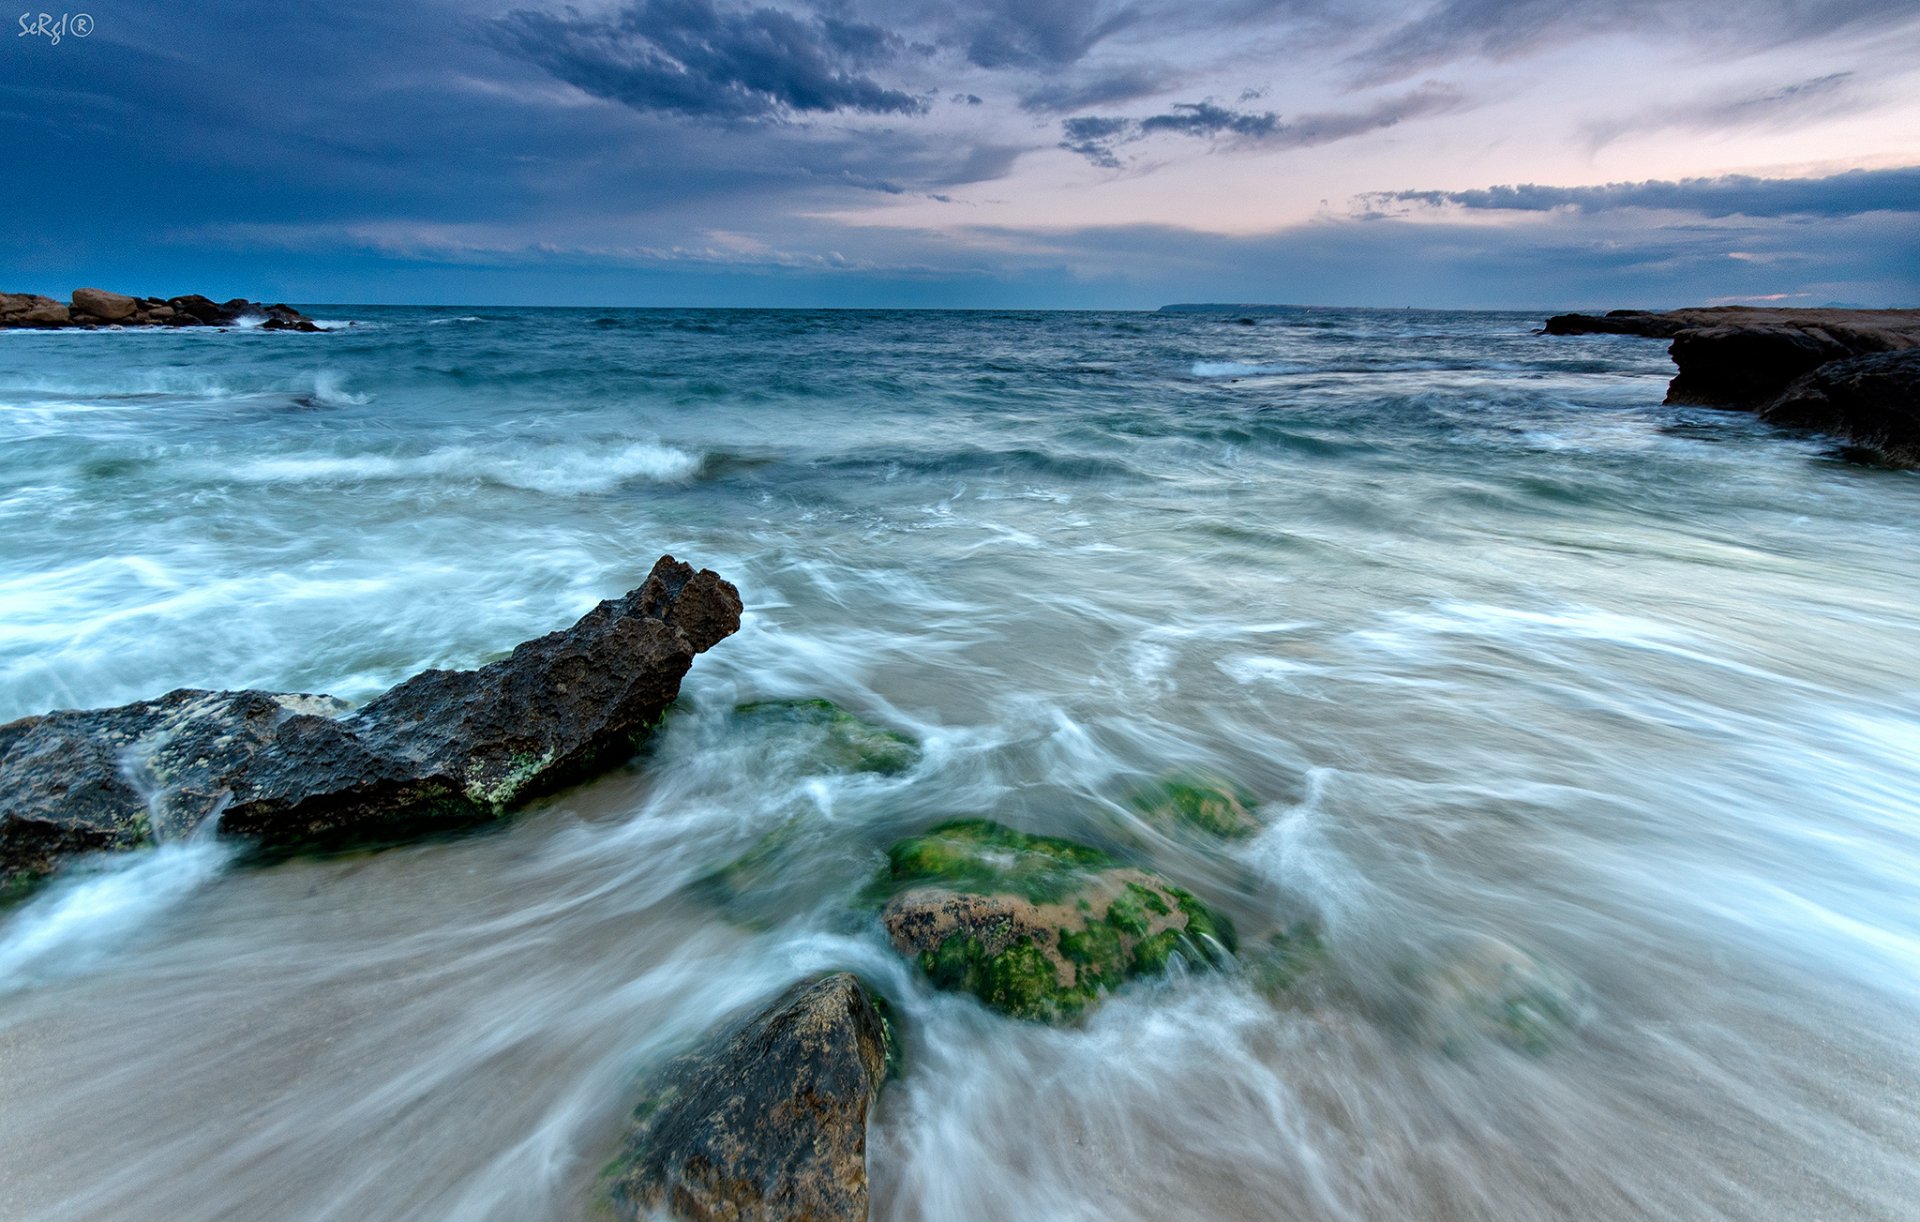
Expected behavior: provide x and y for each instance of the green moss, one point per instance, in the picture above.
(1203, 922)
(1020, 980)
(842, 741)
(1195, 800)
(987, 858)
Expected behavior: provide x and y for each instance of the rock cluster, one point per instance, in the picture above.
(767, 1121)
(443, 749)
(98, 308)
(1851, 373)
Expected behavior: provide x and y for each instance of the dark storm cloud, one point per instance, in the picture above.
(693, 58)
(1452, 30)
(1849, 194)
(1097, 137)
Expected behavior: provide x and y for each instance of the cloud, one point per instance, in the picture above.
(1849, 194)
(693, 58)
(1807, 101)
(1057, 95)
(1041, 33)
(1097, 138)
(1453, 30)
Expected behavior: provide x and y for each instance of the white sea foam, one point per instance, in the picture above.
(1245, 369)
(78, 922)
(558, 470)
(329, 388)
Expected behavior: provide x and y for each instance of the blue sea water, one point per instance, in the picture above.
(1511, 654)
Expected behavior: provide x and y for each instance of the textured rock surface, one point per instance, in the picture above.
(1033, 926)
(443, 749)
(1846, 372)
(1871, 401)
(100, 308)
(769, 1121)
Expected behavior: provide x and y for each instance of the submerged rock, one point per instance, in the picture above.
(841, 741)
(443, 749)
(768, 1121)
(1484, 988)
(1200, 801)
(1033, 926)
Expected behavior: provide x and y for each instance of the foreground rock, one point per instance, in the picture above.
(1036, 927)
(1198, 801)
(444, 749)
(1777, 362)
(769, 1121)
(92, 307)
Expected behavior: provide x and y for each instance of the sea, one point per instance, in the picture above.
(1505, 654)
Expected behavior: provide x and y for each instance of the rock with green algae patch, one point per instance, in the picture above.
(1034, 926)
(767, 1121)
(1200, 801)
(838, 740)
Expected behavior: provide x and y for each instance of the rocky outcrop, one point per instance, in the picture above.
(767, 1122)
(1776, 362)
(1871, 401)
(1035, 927)
(441, 750)
(1199, 802)
(92, 307)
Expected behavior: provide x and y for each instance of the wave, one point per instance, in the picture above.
(1242, 369)
(555, 469)
(78, 922)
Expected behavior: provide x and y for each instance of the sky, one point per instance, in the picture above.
(992, 154)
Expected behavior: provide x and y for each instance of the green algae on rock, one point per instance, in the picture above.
(768, 1120)
(1034, 926)
(1198, 800)
(841, 741)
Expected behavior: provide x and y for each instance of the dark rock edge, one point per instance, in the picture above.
(91, 308)
(443, 750)
(1853, 374)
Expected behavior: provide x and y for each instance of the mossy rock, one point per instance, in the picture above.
(1199, 801)
(1483, 988)
(1036, 927)
(842, 742)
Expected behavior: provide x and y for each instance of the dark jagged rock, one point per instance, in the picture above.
(98, 308)
(769, 1121)
(1871, 401)
(1036, 927)
(443, 749)
(1846, 372)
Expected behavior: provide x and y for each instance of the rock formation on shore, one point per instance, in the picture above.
(769, 1121)
(441, 750)
(91, 308)
(1851, 373)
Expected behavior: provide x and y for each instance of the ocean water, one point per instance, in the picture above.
(1511, 655)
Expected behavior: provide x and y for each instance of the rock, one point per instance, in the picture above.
(1734, 356)
(1483, 988)
(32, 310)
(1746, 365)
(769, 1121)
(1199, 801)
(95, 307)
(837, 739)
(1033, 926)
(197, 306)
(1648, 323)
(1871, 401)
(443, 749)
(105, 306)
